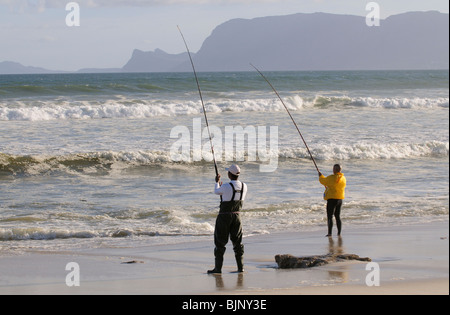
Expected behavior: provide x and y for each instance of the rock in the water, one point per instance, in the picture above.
(133, 262)
(289, 261)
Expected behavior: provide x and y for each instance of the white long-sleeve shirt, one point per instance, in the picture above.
(227, 192)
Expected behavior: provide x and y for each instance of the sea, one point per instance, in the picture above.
(124, 159)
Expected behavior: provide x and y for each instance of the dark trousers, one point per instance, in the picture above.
(334, 209)
(228, 226)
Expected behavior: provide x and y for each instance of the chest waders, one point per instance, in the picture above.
(228, 225)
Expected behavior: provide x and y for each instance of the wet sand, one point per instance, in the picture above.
(412, 259)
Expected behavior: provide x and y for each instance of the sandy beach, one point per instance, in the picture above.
(412, 259)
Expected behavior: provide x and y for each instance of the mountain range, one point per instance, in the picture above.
(316, 41)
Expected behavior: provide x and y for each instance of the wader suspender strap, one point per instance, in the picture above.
(232, 206)
(235, 191)
(242, 191)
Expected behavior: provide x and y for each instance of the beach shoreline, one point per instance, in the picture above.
(412, 259)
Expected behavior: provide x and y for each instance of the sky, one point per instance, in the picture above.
(35, 33)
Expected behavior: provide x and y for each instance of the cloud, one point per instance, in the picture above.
(48, 39)
(21, 6)
(166, 2)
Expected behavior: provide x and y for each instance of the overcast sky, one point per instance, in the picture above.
(34, 32)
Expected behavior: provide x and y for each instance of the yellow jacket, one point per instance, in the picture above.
(335, 186)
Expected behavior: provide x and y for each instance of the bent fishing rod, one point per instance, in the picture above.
(201, 99)
(298, 129)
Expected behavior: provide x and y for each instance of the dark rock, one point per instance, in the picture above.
(289, 261)
(133, 262)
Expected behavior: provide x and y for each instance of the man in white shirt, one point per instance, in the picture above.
(228, 223)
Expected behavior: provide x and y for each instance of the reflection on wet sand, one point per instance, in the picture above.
(220, 284)
(337, 249)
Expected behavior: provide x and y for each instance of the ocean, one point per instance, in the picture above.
(95, 160)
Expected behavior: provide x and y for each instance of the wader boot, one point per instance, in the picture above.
(240, 263)
(228, 225)
(218, 267)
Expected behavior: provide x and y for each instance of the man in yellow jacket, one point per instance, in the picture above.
(334, 194)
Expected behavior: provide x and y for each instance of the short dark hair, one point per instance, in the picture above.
(337, 167)
(232, 176)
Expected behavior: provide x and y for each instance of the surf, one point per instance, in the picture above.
(105, 162)
(132, 108)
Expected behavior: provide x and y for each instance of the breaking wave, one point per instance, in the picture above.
(172, 223)
(372, 151)
(21, 234)
(98, 163)
(144, 108)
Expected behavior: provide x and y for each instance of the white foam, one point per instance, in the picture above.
(371, 151)
(35, 233)
(124, 108)
(413, 103)
(109, 161)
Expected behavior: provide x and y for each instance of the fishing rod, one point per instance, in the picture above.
(298, 129)
(201, 99)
